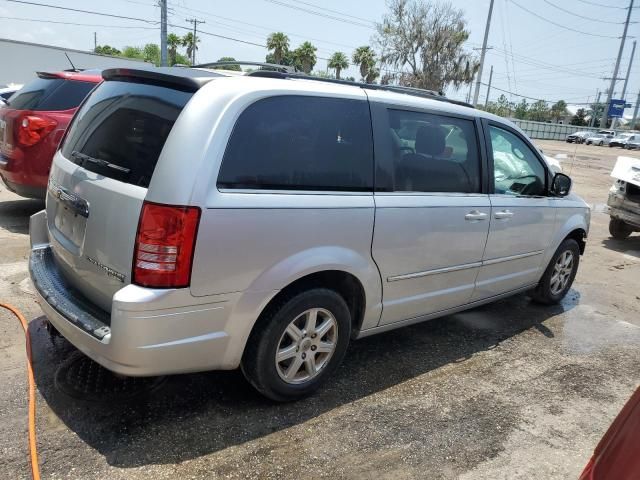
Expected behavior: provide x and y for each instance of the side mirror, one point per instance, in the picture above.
(561, 185)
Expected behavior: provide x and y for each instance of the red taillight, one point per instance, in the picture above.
(33, 128)
(164, 247)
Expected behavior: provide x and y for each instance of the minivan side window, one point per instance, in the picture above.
(517, 169)
(433, 153)
(300, 143)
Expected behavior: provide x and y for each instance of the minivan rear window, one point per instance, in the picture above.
(121, 129)
(50, 94)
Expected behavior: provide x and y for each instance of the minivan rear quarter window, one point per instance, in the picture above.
(300, 143)
(50, 94)
(121, 129)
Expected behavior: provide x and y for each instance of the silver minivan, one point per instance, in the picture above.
(198, 221)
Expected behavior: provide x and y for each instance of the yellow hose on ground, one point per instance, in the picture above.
(33, 447)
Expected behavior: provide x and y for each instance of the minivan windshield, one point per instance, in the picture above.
(121, 129)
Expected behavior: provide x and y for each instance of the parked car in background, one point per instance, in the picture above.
(578, 137)
(197, 221)
(599, 139)
(616, 455)
(621, 139)
(633, 144)
(32, 124)
(7, 90)
(607, 132)
(624, 198)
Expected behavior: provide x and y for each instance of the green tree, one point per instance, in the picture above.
(305, 57)
(425, 39)
(580, 118)
(539, 111)
(107, 50)
(287, 60)
(522, 110)
(173, 42)
(596, 110)
(133, 52)
(559, 110)
(151, 53)
(235, 67)
(182, 59)
(365, 58)
(338, 62)
(188, 41)
(279, 43)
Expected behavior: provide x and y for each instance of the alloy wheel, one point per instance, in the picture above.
(306, 346)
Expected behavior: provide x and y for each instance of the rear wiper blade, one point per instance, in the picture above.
(98, 161)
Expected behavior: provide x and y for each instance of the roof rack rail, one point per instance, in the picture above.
(417, 92)
(227, 63)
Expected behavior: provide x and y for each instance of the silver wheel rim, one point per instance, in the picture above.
(306, 346)
(561, 272)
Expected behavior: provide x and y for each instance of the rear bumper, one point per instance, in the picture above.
(148, 332)
(28, 191)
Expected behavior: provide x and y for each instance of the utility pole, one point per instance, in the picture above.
(486, 100)
(626, 80)
(163, 33)
(603, 120)
(482, 53)
(195, 22)
(635, 111)
(592, 122)
(95, 41)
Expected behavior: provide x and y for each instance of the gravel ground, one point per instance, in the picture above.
(509, 390)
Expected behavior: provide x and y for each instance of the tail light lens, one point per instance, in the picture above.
(165, 244)
(33, 128)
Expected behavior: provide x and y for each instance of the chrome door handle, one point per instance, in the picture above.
(503, 214)
(475, 215)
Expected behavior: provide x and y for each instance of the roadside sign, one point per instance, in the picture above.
(616, 108)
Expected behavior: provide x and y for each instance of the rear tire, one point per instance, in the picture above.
(559, 275)
(297, 344)
(619, 229)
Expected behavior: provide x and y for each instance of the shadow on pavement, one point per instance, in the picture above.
(629, 246)
(197, 414)
(14, 214)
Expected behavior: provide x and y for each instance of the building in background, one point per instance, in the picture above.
(20, 60)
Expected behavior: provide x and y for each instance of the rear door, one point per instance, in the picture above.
(432, 215)
(99, 180)
(522, 213)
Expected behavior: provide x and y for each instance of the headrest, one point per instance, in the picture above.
(430, 140)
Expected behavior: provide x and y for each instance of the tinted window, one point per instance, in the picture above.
(433, 153)
(121, 130)
(300, 143)
(50, 94)
(517, 169)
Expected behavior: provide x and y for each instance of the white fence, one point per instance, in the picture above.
(549, 131)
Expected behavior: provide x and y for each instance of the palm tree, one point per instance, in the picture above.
(173, 42)
(338, 62)
(279, 43)
(187, 41)
(365, 57)
(305, 56)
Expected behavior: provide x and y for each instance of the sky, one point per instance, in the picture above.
(558, 49)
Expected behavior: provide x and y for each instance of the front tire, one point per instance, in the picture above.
(619, 229)
(601, 143)
(559, 275)
(297, 344)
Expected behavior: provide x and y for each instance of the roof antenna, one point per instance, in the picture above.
(72, 65)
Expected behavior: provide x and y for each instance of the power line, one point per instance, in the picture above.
(78, 24)
(320, 14)
(533, 98)
(322, 7)
(604, 6)
(559, 24)
(82, 11)
(580, 16)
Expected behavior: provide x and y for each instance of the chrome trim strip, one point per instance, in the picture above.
(434, 272)
(512, 257)
(464, 266)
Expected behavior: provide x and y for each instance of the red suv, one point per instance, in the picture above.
(32, 124)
